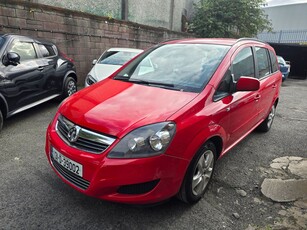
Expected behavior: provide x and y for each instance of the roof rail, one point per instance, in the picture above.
(253, 39)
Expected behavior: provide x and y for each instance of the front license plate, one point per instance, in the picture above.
(67, 163)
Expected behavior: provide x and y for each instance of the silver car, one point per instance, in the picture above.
(110, 61)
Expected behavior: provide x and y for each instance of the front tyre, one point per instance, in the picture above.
(199, 174)
(70, 87)
(266, 125)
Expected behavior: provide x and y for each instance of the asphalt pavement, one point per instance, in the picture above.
(33, 197)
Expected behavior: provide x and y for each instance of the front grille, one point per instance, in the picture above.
(136, 189)
(71, 177)
(86, 140)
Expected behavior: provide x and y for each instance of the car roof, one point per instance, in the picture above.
(126, 50)
(220, 41)
(27, 38)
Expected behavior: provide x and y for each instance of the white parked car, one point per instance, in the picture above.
(110, 61)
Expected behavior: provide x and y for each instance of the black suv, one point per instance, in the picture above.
(32, 72)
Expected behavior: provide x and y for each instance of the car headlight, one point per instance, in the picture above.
(90, 80)
(146, 141)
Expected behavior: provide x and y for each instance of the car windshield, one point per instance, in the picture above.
(281, 60)
(116, 57)
(184, 67)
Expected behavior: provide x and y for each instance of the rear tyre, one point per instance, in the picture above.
(1, 121)
(266, 125)
(70, 87)
(198, 175)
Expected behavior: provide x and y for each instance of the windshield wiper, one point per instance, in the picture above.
(150, 83)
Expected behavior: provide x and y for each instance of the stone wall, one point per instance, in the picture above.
(81, 36)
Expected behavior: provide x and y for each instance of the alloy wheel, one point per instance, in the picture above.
(271, 116)
(202, 172)
(71, 87)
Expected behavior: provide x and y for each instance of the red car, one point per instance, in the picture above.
(155, 128)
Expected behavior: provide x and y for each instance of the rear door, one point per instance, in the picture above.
(48, 64)
(269, 79)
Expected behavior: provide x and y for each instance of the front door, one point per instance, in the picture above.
(23, 82)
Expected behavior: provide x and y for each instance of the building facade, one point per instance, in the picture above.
(289, 23)
(289, 35)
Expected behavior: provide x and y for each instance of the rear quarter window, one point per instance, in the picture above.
(46, 50)
(273, 61)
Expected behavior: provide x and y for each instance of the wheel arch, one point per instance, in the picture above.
(183, 192)
(214, 134)
(218, 143)
(72, 74)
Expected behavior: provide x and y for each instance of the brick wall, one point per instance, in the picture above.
(81, 36)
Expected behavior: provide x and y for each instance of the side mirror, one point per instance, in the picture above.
(94, 62)
(11, 58)
(247, 84)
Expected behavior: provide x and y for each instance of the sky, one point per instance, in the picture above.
(284, 2)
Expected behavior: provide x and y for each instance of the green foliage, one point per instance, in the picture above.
(229, 18)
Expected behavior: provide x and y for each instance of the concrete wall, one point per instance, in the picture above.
(108, 8)
(81, 36)
(157, 13)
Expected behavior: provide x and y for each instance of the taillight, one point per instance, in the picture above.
(66, 57)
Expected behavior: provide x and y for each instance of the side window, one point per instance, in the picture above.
(46, 50)
(263, 62)
(25, 50)
(243, 64)
(274, 61)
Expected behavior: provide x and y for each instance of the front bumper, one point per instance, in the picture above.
(153, 179)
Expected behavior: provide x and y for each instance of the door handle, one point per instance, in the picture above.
(257, 97)
(40, 68)
(274, 86)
